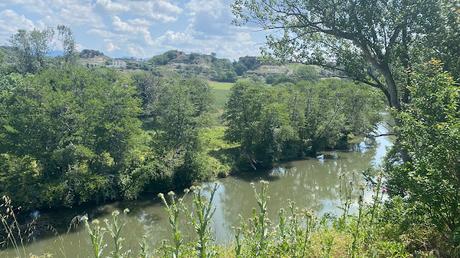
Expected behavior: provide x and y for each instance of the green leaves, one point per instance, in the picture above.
(378, 43)
(290, 121)
(429, 132)
(79, 125)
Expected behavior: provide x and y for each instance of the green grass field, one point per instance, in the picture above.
(220, 92)
(220, 85)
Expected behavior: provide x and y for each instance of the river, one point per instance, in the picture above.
(312, 183)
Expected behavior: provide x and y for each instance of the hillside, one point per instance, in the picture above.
(208, 66)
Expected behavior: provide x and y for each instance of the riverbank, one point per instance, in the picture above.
(311, 183)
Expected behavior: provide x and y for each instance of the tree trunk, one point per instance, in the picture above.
(391, 86)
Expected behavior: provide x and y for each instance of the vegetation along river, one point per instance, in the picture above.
(312, 183)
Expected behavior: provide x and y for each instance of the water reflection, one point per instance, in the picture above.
(312, 183)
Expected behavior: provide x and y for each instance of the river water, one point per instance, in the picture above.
(312, 183)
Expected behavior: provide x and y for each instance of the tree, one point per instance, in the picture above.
(250, 62)
(306, 72)
(89, 53)
(68, 44)
(30, 48)
(242, 115)
(2, 62)
(70, 132)
(175, 109)
(294, 120)
(373, 42)
(430, 131)
(148, 90)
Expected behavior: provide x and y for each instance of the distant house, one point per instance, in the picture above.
(117, 63)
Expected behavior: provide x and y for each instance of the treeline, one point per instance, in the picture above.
(216, 69)
(409, 50)
(71, 134)
(224, 70)
(74, 135)
(291, 121)
(423, 224)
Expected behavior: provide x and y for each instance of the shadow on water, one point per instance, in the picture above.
(313, 183)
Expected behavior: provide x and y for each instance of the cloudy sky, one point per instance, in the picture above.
(139, 28)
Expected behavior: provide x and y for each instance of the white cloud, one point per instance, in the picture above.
(231, 45)
(53, 12)
(168, 6)
(77, 14)
(10, 22)
(214, 7)
(112, 7)
(136, 50)
(156, 10)
(139, 28)
(174, 37)
(111, 47)
(133, 27)
(101, 33)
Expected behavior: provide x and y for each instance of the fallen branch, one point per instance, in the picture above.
(384, 134)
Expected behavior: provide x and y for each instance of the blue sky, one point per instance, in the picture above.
(139, 28)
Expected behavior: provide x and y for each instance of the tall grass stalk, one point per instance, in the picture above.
(96, 233)
(201, 219)
(356, 232)
(238, 243)
(346, 196)
(11, 227)
(173, 208)
(310, 224)
(260, 219)
(114, 228)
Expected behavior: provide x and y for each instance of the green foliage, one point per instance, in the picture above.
(246, 63)
(201, 219)
(89, 53)
(97, 233)
(291, 121)
(164, 58)
(297, 72)
(194, 64)
(374, 42)
(430, 132)
(223, 71)
(78, 135)
(296, 233)
(69, 132)
(175, 110)
(68, 44)
(306, 73)
(30, 49)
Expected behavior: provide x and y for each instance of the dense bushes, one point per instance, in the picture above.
(74, 130)
(76, 135)
(429, 133)
(294, 120)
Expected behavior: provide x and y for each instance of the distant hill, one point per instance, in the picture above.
(195, 64)
(91, 58)
(89, 53)
(209, 66)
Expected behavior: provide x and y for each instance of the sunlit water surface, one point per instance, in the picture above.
(312, 183)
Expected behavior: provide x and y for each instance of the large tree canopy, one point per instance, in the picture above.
(374, 42)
